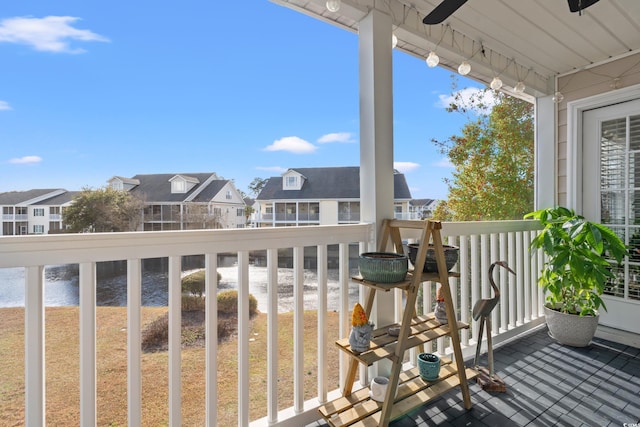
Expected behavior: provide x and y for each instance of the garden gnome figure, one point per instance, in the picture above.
(440, 312)
(360, 337)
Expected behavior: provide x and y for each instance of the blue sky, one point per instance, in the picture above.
(96, 89)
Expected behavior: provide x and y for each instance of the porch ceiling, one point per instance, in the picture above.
(533, 41)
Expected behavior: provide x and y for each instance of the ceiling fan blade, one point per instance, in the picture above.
(579, 5)
(443, 11)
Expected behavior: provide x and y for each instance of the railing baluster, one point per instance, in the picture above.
(475, 278)
(272, 331)
(504, 287)
(211, 339)
(512, 283)
(243, 338)
(495, 252)
(528, 291)
(34, 346)
(322, 323)
(298, 329)
(88, 344)
(519, 280)
(175, 341)
(345, 324)
(465, 306)
(134, 354)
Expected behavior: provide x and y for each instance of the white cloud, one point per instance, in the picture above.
(4, 105)
(465, 96)
(292, 144)
(443, 163)
(277, 169)
(26, 160)
(405, 167)
(48, 34)
(336, 137)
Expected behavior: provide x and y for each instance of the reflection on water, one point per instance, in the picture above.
(62, 287)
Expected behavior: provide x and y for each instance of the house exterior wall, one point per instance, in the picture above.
(328, 212)
(582, 84)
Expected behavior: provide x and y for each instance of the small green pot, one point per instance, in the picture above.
(429, 366)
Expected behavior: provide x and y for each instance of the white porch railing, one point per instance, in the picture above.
(480, 244)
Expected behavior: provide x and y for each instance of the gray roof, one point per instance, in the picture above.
(18, 197)
(157, 188)
(62, 199)
(327, 183)
(421, 202)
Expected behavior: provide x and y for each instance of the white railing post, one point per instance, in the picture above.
(322, 323)
(504, 287)
(345, 324)
(475, 279)
(243, 338)
(298, 329)
(495, 251)
(34, 347)
(528, 289)
(175, 341)
(519, 281)
(465, 303)
(88, 412)
(272, 338)
(134, 353)
(512, 283)
(211, 338)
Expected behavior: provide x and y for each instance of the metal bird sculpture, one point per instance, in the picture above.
(482, 310)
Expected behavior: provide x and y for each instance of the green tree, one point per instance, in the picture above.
(493, 159)
(257, 185)
(103, 210)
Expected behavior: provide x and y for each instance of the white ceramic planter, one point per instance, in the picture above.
(571, 329)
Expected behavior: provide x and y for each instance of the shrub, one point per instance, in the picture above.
(228, 303)
(192, 303)
(194, 283)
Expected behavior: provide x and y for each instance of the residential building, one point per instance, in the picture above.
(422, 208)
(37, 211)
(185, 201)
(319, 196)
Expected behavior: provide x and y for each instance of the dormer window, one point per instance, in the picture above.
(291, 182)
(178, 186)
(116, 185)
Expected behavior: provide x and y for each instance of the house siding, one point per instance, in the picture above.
(583, 84)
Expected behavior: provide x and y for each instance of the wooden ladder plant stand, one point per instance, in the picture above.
(357, 408)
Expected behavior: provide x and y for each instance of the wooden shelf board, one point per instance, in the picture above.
(423, 329)
(359, 409)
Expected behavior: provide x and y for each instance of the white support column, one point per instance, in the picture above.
(88, 395)
(546, 153)
(34, 346)
(376, 138)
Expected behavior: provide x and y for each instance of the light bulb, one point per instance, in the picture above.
(519, 87)
(433, 59)
(394, 41)
(558, 97)
(333, 5)
(496, 83)
(464, 68)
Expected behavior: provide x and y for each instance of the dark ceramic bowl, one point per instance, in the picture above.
(383, 267)
(430, 265)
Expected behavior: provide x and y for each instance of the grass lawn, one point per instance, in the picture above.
(62, 369)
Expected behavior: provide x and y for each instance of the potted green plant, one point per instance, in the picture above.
(577, 266)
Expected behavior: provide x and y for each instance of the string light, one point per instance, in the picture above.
(394, 41)
(496, 83)
(464, 68)
(433, 59)
(333, 5)
(558, 97)
(519, 88)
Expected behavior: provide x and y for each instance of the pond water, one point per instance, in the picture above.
(62, 287)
